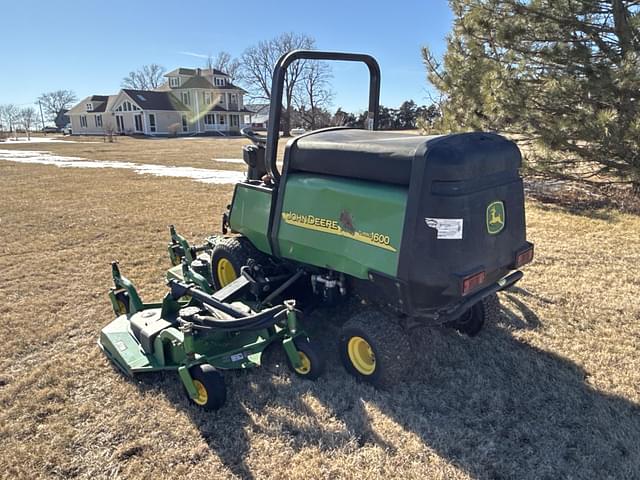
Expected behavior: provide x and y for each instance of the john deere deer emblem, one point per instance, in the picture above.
(495, 217)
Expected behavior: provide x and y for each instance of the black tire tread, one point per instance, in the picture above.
(238, 250)
(310, 349)
(394, 355)
(213, 381)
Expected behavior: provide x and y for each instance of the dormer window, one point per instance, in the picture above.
(89, 107)
(174, 81)
(220, 82)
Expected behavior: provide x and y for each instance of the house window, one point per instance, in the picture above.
(186, 98)
(99, 121)
(220, 81)
(152, 122)
(174, 81)
(222, 119)
(207, 98)
(209, 119)
(185, 126)
(235, 121)
(89, 107)
(83, 121)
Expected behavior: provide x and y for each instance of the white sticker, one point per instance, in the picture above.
(448, 228)
(236, 357)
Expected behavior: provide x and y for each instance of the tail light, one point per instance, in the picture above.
(472, 281)
(524, 257)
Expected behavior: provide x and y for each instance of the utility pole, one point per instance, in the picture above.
(41, 115)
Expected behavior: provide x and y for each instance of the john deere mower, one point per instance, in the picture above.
(420, 230)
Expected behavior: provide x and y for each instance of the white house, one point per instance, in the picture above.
(191, 101)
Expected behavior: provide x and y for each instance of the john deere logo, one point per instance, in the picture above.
(495, 217)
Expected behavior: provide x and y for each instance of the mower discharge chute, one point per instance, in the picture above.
(423, 230)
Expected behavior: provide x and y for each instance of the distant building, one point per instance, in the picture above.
(259, 115)
(191, 101)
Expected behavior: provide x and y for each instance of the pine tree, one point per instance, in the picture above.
(564, 74)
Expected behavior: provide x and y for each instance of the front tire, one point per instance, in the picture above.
(375, 349)
(209, 383)
(227, 258)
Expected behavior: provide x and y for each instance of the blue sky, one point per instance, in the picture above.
(88, 46)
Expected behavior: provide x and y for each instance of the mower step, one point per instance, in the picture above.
(232, 290)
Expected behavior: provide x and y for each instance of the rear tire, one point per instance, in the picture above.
(227, 258)
(472, 321)
(209, 382)
(375, 349)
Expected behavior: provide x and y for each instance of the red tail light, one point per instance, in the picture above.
(471, 282)
(524, 257)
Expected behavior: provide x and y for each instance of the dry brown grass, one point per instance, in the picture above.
(548, 390)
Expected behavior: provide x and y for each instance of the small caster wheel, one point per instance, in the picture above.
(311, 361)
(209, 383)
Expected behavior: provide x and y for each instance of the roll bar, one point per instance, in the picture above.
(277, 86)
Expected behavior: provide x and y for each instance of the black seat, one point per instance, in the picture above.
(353, 153)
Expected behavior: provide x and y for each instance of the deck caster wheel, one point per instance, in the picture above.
(227, 258)
(209, 383)
(122, 299)
(472, 321)
(375, 349)
(312, 362)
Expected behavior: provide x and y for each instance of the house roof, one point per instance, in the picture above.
(196, 82)
(194, 71)
(105, 104)
(260, 108)
(99, 102)
(152, 100)
(220, 108)
(230, 86)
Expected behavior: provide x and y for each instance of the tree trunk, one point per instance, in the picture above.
(286, 122)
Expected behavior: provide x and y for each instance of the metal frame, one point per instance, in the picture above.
(277, 86)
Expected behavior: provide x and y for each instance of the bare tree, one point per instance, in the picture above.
(9, 113)
(147, 77)
(53, 103)
(313, 94)
(27, 119)
(109, 130)
(257, 69)
(227, 64)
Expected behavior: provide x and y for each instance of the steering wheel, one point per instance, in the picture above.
(259, 140)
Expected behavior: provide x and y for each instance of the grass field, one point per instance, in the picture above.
(550, 389)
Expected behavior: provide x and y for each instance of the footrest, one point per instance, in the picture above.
(232, 290)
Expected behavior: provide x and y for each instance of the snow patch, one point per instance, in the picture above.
(13, 141)
(203, 175)
(229, 160)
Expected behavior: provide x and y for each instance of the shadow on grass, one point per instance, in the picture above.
(493, 406)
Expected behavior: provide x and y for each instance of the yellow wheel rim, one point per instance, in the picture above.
(203, 396)
(305, 364)
(226, 272)
(121, 308)
(361, 355)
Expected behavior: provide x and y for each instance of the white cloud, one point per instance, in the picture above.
(193, 54)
